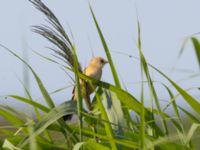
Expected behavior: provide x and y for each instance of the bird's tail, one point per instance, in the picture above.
(69, 116)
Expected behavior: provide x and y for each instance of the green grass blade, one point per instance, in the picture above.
(44, 145)
(150, 83)
(27, 93)
(196, 45)
(175, 107)
(36, 107)
(44, 92)
(114, 72)
(33, 103)
(90, 146)
(108, 128)
(126, 98)
(39, 82)
(8, 145)
(190, 115)
(185, 40)
(78, 92)
(112, 66)
(114, 112)
(142, 116)
(191, 132)
(32, 142)
(187, 97)
(172, 97)
(15, 120)
(55, 114)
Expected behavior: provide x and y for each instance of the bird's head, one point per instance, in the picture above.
(99, 62)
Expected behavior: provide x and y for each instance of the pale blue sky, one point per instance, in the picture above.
(164, 24)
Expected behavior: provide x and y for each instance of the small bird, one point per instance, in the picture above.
(64, 50)
(93, 70)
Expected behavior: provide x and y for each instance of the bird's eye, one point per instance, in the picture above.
(102, 61)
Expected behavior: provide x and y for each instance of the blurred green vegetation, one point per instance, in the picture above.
(118, 121)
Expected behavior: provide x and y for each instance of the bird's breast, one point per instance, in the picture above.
(94, 72)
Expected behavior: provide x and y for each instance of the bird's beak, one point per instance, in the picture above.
(106, 62)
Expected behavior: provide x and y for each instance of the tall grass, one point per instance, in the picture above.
(110, 125)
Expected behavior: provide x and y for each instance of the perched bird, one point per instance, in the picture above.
(64, 50)
(93, 70)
